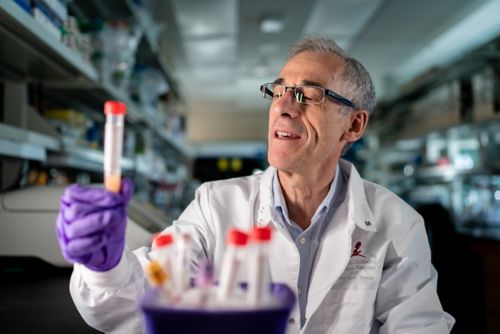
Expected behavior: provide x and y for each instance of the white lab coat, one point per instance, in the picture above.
(372, 272)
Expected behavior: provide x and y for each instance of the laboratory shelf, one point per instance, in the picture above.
(151, 54)
(47, 74)
(22, 135)
(85, 158)
(22, 150)
(25, 144)
(28, 49)
(178, 145)
(95, 94)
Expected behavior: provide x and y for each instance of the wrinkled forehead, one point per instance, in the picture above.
(324, 68)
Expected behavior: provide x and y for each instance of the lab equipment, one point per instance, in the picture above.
(259, 275)
(232, 262)
(27, 219)
(91, 225)
(113, 142)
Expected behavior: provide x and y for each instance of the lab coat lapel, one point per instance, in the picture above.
(335, 249)
(331, 258)
(284, 257)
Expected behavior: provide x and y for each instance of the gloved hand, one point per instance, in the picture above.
(91, 225)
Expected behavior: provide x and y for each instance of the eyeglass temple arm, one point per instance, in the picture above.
(265, 91)
(339, 98)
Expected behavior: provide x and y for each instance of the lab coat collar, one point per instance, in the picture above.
(359, 209)
(264, 214)
(359, 212)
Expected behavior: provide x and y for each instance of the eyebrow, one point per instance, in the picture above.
(302, 83)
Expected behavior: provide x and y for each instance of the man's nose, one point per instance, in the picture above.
(286, 105)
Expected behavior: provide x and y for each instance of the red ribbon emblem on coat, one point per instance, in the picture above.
(357, 251)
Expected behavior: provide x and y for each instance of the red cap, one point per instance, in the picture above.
(236, 237)
(115, 108)
(261, 233)
(163, 240)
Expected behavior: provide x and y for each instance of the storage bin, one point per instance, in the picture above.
(271, 320)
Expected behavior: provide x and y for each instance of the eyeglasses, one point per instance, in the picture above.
(303, 94)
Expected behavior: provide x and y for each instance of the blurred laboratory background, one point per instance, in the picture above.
(189, 72)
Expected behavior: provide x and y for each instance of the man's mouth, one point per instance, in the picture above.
(285, 135)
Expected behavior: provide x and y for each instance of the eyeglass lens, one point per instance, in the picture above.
(303, 94)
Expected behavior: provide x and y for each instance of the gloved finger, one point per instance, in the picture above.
(116, 233)
(98, 197)
(98, 258)
(61, 237)
(76, 210)
(83, 259)
(94, 223)
(81, 246)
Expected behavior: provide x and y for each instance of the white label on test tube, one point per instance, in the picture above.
(259, 281)
(231, 264)
(113, 141)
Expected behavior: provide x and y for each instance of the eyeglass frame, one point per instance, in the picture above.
(327, 92)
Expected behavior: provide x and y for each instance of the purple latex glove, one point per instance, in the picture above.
(91, 225)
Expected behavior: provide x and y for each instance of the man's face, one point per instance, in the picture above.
(308, 138)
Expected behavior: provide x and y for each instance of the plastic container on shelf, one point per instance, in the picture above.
(158, 318)
(118, 43)
(24, 4)
(69, 123)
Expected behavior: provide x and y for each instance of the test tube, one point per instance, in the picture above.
(113, 141)
(231, 263)
(163, 244)
(259, 281)
(181, 266)
(204, 280)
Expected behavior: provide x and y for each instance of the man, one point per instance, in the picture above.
(355, 254)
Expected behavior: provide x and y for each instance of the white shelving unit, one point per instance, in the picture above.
(32, 55)
(22, 27)
(24, 144)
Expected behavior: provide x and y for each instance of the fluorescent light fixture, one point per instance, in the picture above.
(272, 23)
(271, 26)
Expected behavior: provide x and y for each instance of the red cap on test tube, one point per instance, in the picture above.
(163, 240)
(260, 233)
(236, 237)
(115, 108)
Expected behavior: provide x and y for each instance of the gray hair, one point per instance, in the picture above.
(359, 85)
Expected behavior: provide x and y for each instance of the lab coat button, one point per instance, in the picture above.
(302, 240)
(367, 223)
(291, 321)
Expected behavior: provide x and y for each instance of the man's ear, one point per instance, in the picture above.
(359, 120)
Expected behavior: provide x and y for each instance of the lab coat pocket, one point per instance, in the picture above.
(346, 311)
